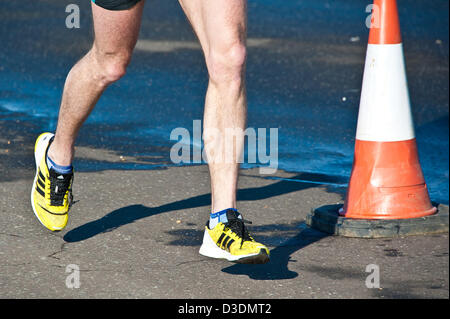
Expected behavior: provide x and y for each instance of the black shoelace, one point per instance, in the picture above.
(59, 185)
(237, 226)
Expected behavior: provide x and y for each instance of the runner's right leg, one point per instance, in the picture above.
(116, 33)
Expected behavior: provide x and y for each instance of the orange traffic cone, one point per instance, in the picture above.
(386, 180)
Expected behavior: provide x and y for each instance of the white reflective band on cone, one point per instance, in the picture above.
(384, 110)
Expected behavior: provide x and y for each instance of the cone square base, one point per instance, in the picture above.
(327, 219)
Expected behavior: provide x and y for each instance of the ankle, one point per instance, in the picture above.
(60, 156)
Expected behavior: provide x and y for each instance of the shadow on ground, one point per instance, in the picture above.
(287, 239)
(280, 257)
(129, 214)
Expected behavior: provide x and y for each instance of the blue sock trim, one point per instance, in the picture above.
(59, 168)
(222, 212)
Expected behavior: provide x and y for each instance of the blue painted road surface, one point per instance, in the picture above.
(304, 74)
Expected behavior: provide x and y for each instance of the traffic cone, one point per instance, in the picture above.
(386, 180)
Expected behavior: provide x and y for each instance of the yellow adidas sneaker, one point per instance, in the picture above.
(51, 195)
(231, 241)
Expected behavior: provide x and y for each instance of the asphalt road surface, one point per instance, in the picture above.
(138, 221)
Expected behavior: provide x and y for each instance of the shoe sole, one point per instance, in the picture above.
(39, 152)
(210, 249)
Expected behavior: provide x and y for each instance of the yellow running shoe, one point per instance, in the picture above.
(231, 241)
(51, 195)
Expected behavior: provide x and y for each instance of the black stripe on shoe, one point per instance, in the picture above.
(40, 191)
(229, 244)
(40, 183)
(220, 239)
(224, 243)
(60, 214)
(41, 175)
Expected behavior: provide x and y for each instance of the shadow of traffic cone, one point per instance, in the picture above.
(386, 180)
(387, 195)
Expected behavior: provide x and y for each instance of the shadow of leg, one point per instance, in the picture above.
(109, 222)
(129, 214)
(277, 267)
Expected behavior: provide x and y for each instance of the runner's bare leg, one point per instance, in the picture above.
(220, 26)
(116, 33)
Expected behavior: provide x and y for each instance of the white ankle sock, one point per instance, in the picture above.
(219, 217)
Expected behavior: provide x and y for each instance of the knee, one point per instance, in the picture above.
(227, 64)
(111, 66)
(114, 70)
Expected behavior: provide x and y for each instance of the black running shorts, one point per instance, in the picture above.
(116, 4)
